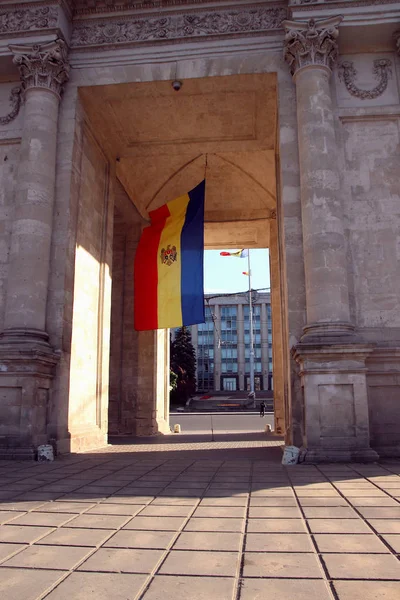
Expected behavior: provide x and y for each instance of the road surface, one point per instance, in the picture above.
(221, 422)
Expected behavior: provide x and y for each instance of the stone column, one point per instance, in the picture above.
(27, 360)
(44, 71)
(331, 360)
(311, 51)
(217, 348)
(264, 345)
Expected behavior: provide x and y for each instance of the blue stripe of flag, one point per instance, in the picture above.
(192, 258)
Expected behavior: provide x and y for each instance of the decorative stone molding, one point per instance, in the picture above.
(28, 19)
(312, 43)
(42, 66)
(15, 101)
(397, 38)
(382, 71)
(128, 29)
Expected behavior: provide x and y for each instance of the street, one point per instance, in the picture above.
(220, 422)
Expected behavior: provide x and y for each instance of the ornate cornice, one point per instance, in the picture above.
(382, 71)
(186, 26)
(27, 18)
(42, 66)
(311, 43)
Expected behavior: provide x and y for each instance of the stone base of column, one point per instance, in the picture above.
(332, 455)
(325, 333)
(333, 377)
(25, 384)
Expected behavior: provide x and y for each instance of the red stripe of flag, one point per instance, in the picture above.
(146, 272)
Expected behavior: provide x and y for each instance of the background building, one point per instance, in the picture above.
(222, 343)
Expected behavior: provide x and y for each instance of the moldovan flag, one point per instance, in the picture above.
(168, 275)
(239, 254)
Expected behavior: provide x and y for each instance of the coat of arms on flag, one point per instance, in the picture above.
(169, 255)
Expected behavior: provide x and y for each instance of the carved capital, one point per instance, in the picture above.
(42, 66)
(311, 44)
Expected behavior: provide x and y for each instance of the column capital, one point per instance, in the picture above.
(312, 43)
(42, 65)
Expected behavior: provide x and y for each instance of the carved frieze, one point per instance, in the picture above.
(176, 26)
(382, 71)
(311, 43)
(15, 101)
(43, 66)
(28, 19)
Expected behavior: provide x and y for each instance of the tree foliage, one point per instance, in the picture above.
(183, 365)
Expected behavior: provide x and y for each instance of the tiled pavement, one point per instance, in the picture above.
(134, 525)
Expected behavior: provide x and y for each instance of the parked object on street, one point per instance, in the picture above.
(290, 455)
(45, 453)
(177, 428)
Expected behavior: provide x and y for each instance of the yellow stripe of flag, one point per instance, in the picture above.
(169, 275)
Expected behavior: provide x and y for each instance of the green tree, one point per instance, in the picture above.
(183, 364)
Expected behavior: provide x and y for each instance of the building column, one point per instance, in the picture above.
(25, 353)
(332, 363)
(217, 348)
(240, 347)
(264, 345)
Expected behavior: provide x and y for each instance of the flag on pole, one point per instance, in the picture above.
(238, 254)
(245, 273)
(168, 273)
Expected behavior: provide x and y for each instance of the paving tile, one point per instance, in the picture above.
(43, 519)
(172, 492)
(274, 512)
(20, 584)
(8, 549)
(219, 524)
(272, 501)
(99, 521)
(176, 501)
(381, 512)
(156, 523)
(285, 589)
(185, 588)
(385, 525)
(281, 564)
(223, 493)
(20, 506)
(318, 493)
(283, 492)
(367, 590)
(350, 543)
(336, 501)
(66, 536)
(276, 526)
(329, 512)
(394, 541)
(157, 540)
(9, 515)
(115, 509)
(99, 586)
(181, 562)
(379, 501)
(220, 511)
(359, 493)
(224, 501)
(274, 542)
(64, 507)
(48, 557)
(362, 566)
(206, 540)
(338, 526)
(166, 511)
(22, 534)
(122, 560)
(129, 500)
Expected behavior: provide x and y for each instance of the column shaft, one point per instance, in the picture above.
(32, 226)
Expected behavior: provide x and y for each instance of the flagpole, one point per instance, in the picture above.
(252, 391)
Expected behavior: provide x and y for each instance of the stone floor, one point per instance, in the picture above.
(189, 523)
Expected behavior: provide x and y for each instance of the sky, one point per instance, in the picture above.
(224, 273)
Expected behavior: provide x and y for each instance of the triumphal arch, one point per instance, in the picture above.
(111, 108)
